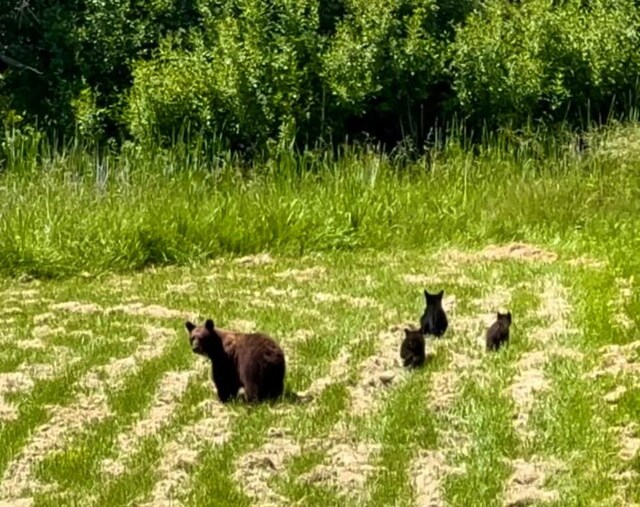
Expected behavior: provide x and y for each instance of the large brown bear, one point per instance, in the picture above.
(250, 360)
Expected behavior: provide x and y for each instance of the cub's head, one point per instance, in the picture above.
(434, 300)
(412, 334)
(505, 318)
(202, 338)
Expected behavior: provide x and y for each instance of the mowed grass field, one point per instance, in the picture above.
(103, 403)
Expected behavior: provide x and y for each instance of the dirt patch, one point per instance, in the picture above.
(8, 411)
(89, 407)
(338, 371)
(625, 292)
(302, 335)
(35, 344)
(257, 468)
(35, 301)
(171, 389)
(175, 474)
(357, 302)
(77, 307)
(15, 382)
(11, 310)
(625, 287)
(615, 395)
(180, 455)
(529, 381)
(181, 288)
(554, 303)
(629, 441)
(345, 467)
(12, 383)
(21, 381)
(262, 303)
(586, 262)
(491, 302)
(37, 371)
(303, 275)
(512, 251)
(45, 330)
(447, 275)
(244, 326)
(53, 436)
(618, 360)
(422, 280)
(284, 293)
(526, 486)
(117, 369)
(43, 317)
(151, 311)
(25, 294)
(518, 251)
(554, 310)
(19, 502)
(428, 471)
(255, 260)
(442, 392)
(379, 371)
(465, 349)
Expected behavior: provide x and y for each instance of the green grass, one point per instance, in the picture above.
(355, 227)
(569, 423)
(67, 211)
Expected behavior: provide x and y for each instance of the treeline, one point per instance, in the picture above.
(251, 71)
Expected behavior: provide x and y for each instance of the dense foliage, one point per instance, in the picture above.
(250, 71)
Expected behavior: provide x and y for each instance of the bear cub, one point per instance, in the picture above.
(498, 333)
(250, 360)
(412, 348)
(434, 319)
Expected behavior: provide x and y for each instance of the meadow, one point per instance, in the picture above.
(105, 255)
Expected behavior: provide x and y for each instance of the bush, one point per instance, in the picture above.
(545, 60)
(82, 49)
(252, 72)
(249, 75)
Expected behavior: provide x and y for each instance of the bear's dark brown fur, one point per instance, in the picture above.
(434, 319)
(250, 360)
(498, 333)
(412, 350)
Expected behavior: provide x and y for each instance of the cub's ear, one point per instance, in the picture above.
(426, 294)
(190, 326)
(209, 325)
(509, 317)
(440, 294)
(407, 330)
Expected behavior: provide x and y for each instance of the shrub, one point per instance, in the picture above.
(544, 59)
(252, 73)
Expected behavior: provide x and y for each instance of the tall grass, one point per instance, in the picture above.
(65, 209)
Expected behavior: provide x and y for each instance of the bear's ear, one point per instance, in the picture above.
(209, 325)
(440, 294)
(190, 326)
(407, 330)
(426, 294)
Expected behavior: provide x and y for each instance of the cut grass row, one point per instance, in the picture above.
(569, 422)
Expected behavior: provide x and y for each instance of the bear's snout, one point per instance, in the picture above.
(195, 346)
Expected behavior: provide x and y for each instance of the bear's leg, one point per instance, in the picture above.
(252, 392)
(226, 384)
(274, 381)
